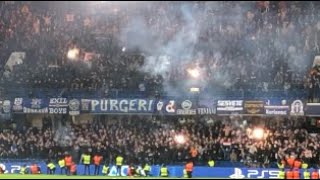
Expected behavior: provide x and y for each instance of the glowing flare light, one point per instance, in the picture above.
(194, 72)
(258, 133)
(180, 139)
(73, 54)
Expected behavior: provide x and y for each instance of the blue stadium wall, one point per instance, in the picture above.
(175, 171)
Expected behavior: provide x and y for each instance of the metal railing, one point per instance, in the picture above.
(12, 92)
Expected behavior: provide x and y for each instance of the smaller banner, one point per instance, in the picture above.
(227, 107)
(35, 106)
(297, 108)
(6, 107)
(85, 105)
(276, 108)
(186, 107)
(74, 107)
(254, 107)
(58, 106)
(206, 106)
(313, 109)
(17, 105)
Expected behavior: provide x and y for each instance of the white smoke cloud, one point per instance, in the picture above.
(163, 54)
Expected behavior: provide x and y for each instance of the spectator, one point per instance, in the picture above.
(263, 38)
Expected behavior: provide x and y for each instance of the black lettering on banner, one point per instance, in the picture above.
(227, 107)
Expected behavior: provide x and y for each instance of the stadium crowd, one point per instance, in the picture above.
(154, 141)
(262, 45)
(238, 45)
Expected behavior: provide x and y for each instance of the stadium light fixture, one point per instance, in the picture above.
(194, 90)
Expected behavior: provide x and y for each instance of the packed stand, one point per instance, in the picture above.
(237, 45)
(314, 85)
(144, 140)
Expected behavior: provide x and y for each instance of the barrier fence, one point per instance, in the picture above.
(174, 171)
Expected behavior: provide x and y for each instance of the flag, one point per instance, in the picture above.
(15, 58)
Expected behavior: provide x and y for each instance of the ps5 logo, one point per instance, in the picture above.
(237, 174)
(253, 173)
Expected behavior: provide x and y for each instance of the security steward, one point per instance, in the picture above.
(68, 161)
(315, 174)
(131, 171)
(189, 168)
(147, 169)
(296, 166)
(23, 169)
(62, 165)
(86, 160)
(282, 174)
(34, 169)
(185, 174)
(105, 169)
(304, 165)
(296, 174)
(51, 168)
(164, 171)
(211, 163)
(119, 163)
(97, 159)
(73, 169)
(306, 173)
(289, 174)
